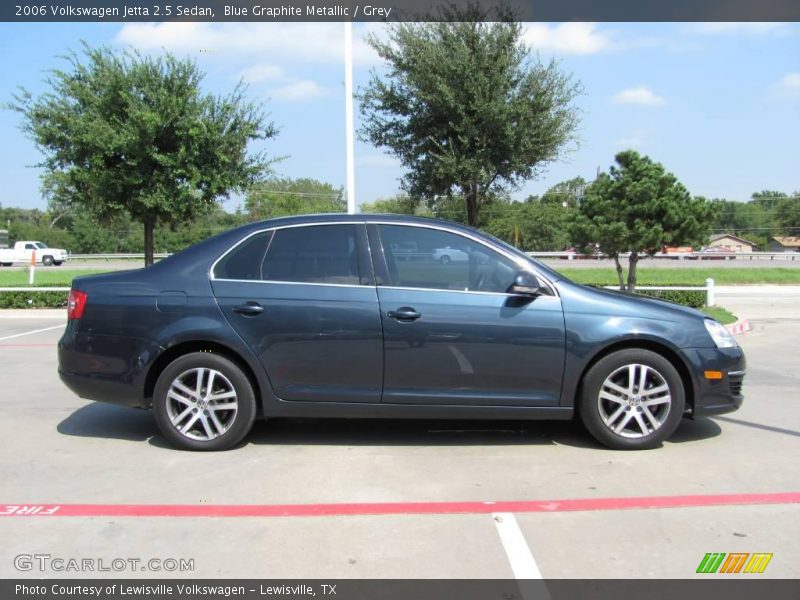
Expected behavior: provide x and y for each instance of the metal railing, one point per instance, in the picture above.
(675, 255)
(116, 256)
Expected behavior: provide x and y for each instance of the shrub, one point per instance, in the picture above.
(693, 299)
(34, 298)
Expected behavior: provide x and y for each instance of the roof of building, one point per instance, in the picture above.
(719, 236)
(788, 241)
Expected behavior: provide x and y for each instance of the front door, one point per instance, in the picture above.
(304, 299)
(452, 335)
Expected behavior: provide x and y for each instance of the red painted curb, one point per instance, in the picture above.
(389, 508)
(739, 327)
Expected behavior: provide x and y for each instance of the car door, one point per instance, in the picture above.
(304, 299)
(452, 333)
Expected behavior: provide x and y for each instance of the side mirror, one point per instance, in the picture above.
(525, 284)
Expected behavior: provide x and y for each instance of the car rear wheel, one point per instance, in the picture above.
(632, 400)
(204, 401)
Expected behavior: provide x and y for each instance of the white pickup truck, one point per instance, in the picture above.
(21, 253)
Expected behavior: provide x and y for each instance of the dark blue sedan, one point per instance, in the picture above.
(386, 316)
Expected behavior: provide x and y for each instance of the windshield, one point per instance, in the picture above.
(40, 245)
(552, 273)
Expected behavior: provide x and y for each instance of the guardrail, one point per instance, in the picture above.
(675, 256)
(116, 256)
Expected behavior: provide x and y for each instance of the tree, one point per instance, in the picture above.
(283, 197)
(397, 205)
(787, 214)
(534, 225)
(638, 207)
(126, 133)
(465, 107)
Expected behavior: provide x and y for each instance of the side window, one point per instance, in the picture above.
(30, 247)
(245, 261)
(313, 254)
(430, 258)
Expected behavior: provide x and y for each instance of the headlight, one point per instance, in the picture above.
(720, 334)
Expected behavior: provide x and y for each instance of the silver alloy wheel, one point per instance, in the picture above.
(201, 404)
(634, 401)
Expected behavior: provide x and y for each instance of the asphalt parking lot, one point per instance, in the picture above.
(59, 449)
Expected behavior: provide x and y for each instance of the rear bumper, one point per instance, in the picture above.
(717, 396)
(106, 368)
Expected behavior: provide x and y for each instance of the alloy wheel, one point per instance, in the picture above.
(202, 404)
(634, 401)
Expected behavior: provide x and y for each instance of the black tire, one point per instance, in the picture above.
(445, 260)
(239, 421)
(47, 260)
(614, 369)
(58, 263)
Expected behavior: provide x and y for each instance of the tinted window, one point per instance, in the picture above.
(429, 258)
(246, 260)
(315, 254)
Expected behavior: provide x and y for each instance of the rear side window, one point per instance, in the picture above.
(246, 260)
(313, 254)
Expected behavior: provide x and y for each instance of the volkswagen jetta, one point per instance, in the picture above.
(315, 316)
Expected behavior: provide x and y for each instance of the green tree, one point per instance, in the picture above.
(638, 207)
(280, 197)
(126, 133)
(397, 205)
(787, 214)
(466, 108)
(533, 225)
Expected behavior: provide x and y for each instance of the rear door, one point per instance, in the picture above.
(452, 333)
(304, 299)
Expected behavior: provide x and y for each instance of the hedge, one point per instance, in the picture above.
(691, 298)
(34, 299)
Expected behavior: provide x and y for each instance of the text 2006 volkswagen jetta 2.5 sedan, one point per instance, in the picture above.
(386, 316)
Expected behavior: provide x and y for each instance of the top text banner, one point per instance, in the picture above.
(397, 10)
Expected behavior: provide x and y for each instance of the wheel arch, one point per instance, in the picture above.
(659, 348)
(188, 347)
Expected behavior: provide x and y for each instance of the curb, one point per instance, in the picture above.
(33, 313)
(741, 326)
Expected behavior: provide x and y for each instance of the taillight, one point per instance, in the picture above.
(75, 304)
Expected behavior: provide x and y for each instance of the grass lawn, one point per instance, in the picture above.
(689, 276)
(720, 314)
(54, 277)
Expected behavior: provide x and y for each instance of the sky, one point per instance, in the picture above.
(718, 104)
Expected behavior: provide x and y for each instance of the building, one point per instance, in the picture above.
(731, 243)
(784, 244)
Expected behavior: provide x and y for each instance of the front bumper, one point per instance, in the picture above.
(716, 396)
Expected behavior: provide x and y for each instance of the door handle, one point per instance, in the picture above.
(249, 309)
(404, 313)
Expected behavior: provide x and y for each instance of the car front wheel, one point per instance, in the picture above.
(632, 400)
(47, 261)
(204, 401)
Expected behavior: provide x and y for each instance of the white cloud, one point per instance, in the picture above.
(299, 90)
(643, 96)
(567, 38)
(788, 86)
(259, 73)
(298, 42)
(739, 28)
(377, 160)
(633, 141)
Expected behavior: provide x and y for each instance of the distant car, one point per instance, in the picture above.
(447, 255)
(315, 317)
(24, 250)
(717, 253)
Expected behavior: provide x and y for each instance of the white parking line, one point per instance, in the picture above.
(519, 555)
(16, 335)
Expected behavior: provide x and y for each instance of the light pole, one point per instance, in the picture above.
(348, 118)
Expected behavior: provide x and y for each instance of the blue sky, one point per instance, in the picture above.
(718, 104)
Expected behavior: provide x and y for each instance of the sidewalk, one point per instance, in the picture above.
(34, 313)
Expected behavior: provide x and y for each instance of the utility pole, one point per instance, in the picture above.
(348, 119)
